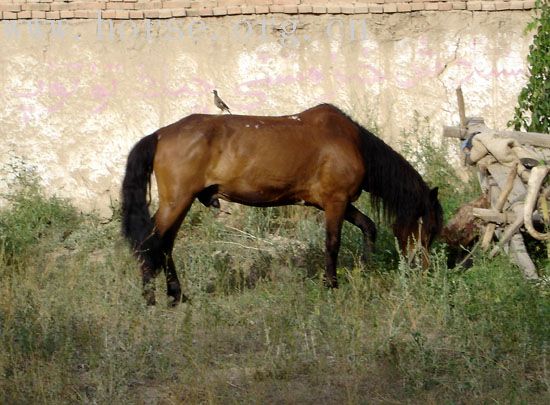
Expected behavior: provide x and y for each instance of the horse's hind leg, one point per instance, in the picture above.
(173, 287)
(151, 256)
(168, 220)
(367, 226)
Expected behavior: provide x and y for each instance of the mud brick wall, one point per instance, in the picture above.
(139, 9)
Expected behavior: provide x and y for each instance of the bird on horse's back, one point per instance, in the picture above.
(320, 157)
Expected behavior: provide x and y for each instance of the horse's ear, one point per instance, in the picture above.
(433, 193)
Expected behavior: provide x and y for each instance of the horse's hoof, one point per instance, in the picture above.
(174, 301)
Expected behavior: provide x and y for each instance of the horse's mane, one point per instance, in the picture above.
(396, 189)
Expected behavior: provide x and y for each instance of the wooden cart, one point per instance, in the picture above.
(511, 168)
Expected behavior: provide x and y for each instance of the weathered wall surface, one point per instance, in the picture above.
(78, 93)
(136, 9)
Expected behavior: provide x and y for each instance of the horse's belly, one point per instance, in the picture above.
(261, 196)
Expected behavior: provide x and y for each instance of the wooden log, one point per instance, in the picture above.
(528, 138)
(455, 132)
(463, 133)
(506, 189)
(519, 255)
(491, 215)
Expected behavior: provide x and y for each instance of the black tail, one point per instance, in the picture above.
(137, 225)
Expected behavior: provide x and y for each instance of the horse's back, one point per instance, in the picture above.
(309, 131)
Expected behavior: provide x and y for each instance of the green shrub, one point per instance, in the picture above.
(32, 217)
(533, 110)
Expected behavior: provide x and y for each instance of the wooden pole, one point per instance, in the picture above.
(461, 108)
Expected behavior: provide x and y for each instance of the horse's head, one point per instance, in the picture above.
(420, 234)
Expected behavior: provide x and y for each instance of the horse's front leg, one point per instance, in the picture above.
(334, 216)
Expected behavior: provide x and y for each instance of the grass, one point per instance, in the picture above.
(260, 327)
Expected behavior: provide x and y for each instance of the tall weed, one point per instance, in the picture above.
(32, 218)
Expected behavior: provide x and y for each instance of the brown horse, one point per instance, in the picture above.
(319, 158)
